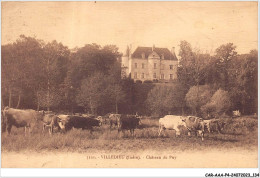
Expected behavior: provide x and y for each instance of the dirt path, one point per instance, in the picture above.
(147, 159)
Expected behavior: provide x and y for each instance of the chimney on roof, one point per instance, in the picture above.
(153, 47)
(130, 50)
(173, 50)
(127, 51)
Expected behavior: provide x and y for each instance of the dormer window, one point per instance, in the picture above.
(143, 55)
(162, 56)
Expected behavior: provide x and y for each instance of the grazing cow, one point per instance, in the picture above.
(106, 118)
(207, 125)
(171, 122)
(101, 119)
(128, 122)
(195, 124)
(114, 120)
(217, 125)
(51, 121)
(21, 118)
(68, 122)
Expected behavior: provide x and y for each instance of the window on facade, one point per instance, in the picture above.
(143, 55)
(142, 75)
(154, 75)
(162, 76)
(171, 67)
(171, 76)
(135, 65)
(142, 65)
(135, 75)
(154, 65)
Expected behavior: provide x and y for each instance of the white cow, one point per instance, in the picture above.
(171, 122)
(207, 124)
(63, 120)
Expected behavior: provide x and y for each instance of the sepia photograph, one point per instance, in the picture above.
(137, 84)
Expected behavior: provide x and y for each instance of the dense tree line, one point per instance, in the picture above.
(49, 76)
(213, 85)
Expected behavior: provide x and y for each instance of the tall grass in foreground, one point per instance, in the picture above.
(238, 133)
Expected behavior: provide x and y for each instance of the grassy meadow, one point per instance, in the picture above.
(239, 132)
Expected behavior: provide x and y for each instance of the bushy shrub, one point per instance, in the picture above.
(166, 98)
(218, 105)
(198, 96)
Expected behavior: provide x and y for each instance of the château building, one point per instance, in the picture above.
(150, 63)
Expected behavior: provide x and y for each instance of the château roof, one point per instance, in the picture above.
(148, 50)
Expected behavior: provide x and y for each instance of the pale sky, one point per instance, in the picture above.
(206, 25)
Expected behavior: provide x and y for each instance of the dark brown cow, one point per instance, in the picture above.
(129, 122)
(67, 122)
(195, 124)
(21, 118)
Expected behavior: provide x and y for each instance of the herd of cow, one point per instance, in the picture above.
(63, 123)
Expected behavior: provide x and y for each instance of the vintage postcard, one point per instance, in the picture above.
(129, 84)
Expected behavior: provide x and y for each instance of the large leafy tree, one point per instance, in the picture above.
(165, 99)
(249, 80)
(55, 60)
(92, 92)
(90, 59)
(219, 104)
(225, 54)
(156, 100)
(243, 88)
(176, 99)
(193, 65)
(115, 89)
(93, 58)
(186, 63)
(197, 97)
(21, 68)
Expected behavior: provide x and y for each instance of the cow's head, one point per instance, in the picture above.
(40, 115)
(96, 122)
(139, 120)
(138, 116)
(42, 112)
(63, 123)
(183, 119)
(100, 119)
